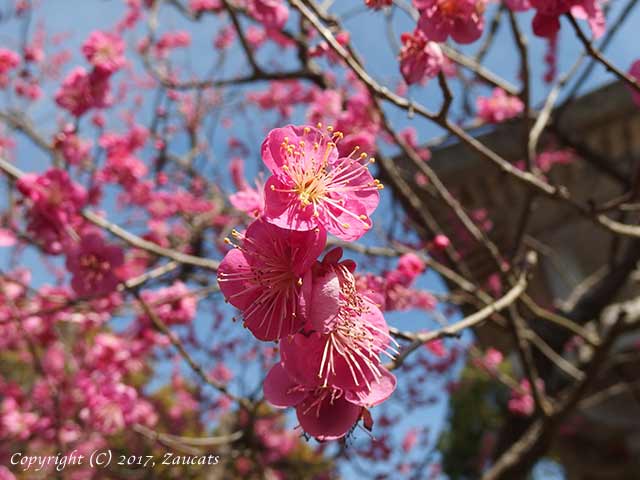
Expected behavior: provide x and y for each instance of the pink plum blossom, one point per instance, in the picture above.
(92, 264)
(463, 20)
(81, 91)
(54, 202)
(498, 107)
(105, 51)
(200, 6)
(173, 305)
(312, 186)
(268, 277)
(271, 13)
(8, 60)
(419, 57)
(326, 413)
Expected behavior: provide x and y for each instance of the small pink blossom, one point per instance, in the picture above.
(54, 202)
(201, 6)
(410, 439)
(271, 13)
(326, 413)
(268, 277)
(93, 265)
(105, 51)
(7, 238)
(498, 107)
(411, 265)
(419, 57)
(74, 149)
(312, 186)
(491, 360)
(8, 60)
(463, 20)
(173, 305)
(522, 401)
(81, 91)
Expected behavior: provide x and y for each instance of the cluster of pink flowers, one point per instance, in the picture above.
(271, 13)
(82, 90)
(54, 219)
(331, 335)
(419, 57)
(462, 20)
(522, 402)
(499, 107)
(546, 22)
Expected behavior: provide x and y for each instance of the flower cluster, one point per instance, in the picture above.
(419, 57)
(82, 90)
(499, 107)
(463, 20)
(332, 336)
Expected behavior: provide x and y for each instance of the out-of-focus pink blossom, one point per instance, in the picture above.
(105, 51)
(93, 264)
(81, 91)
(419, 57)
(200, 6)
(498, 107)
(463, 20)
(8, 60)
(271, 13)
(54, 202)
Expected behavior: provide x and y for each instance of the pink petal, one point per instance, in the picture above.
(278, 388)
(7, 238)
(379, 392)
(325, 302)
(333, 419)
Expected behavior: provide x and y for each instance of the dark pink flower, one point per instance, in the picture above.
(74, 149)
(105, 51)
(93, 265)
(411, 265)
(522, 401)
(271, 13)
(81, 91)
(378, 4)
(463, 20)
(173, 305)
(349, 335)
(313, 187)
(200, 6)
(268, 277)
(498, 107)
(55, 202)
(8, 60)
(246, 199)
(419, 58)
(518, 5)
(325, 413)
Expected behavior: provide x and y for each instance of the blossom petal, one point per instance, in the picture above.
(279, 388)
(332, 420)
